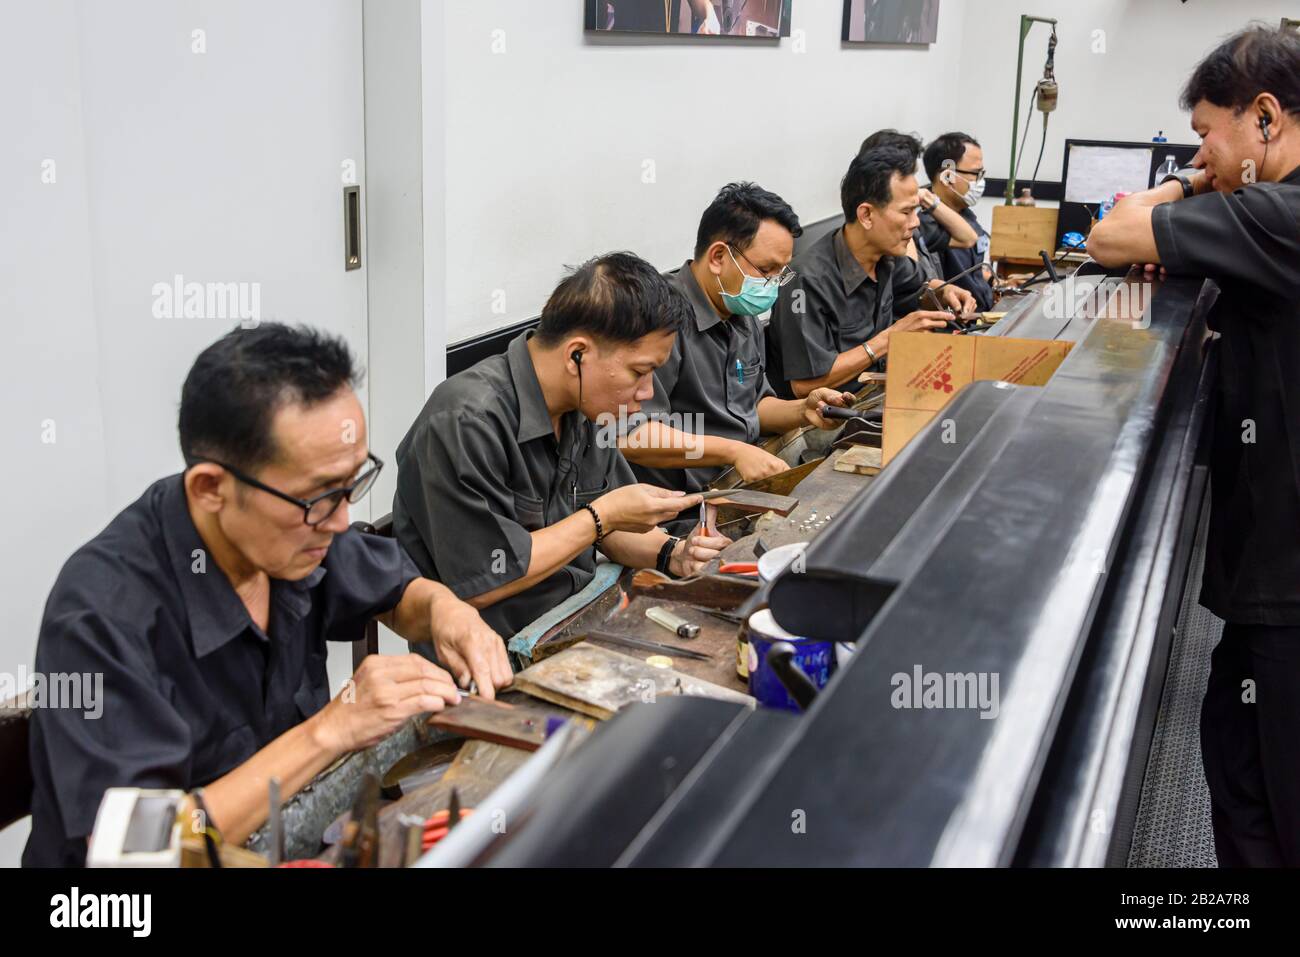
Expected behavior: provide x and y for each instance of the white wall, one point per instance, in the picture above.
(547, 140)
(223, 166)
(1126, 90)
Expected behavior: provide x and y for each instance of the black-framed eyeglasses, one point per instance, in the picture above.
(977, 173)
(319, 508)
(781, 278)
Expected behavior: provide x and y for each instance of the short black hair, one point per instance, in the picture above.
(618, 297)
(238, 383)
(950, 146)
(906, 141)
(870, 178)
(736, 213)
(1257, 60)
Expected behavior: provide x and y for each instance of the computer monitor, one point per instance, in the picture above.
(1094, 170)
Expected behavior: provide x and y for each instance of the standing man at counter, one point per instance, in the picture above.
(834, 320)
(506, 489)
(715, 370)
(1235, 218)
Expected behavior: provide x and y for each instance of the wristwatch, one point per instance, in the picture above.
(1182, 175)
(666, 556)
(871, 352)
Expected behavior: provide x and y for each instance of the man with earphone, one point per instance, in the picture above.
(955, 164)
(1234, 217)
(505, 487)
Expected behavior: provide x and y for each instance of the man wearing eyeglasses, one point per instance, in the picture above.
(955, 164)
(206, 605)
(716, 373)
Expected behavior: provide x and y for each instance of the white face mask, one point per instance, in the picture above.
(974, 193)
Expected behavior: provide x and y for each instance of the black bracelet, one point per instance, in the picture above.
(666, 556)
(600, 529)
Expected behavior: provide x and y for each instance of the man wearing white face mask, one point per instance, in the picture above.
(955, 164)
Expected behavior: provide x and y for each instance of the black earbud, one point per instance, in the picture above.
(1264, 122)
(576, 356)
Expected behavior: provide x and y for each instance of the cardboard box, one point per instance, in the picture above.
(926, 370)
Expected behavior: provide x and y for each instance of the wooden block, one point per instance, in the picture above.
(598, 682)
(515, 726)
(1019, 232)
(861, 459)
(748, 500)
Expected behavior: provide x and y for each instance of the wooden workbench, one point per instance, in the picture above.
(477, 768)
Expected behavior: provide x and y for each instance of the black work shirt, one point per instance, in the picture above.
(481, 469)
(831, 306)
(955, 261)
(1248, 242)
(192, 688)
(714, 377)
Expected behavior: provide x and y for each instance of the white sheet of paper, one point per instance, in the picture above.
(1098, 172)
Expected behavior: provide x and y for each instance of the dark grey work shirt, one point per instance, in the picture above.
(1248, 242)
(956, 261)
(481, 468)
(192, 688)
(716, 372)
(831, 306)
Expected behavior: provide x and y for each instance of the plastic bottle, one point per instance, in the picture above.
(1170, 165)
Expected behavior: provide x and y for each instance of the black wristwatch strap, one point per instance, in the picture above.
(666, 556)
(1188, 189)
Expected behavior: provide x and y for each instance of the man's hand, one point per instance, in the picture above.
(695, 551)
(470, 649)
(753, 463)
(955, 297)
(919, 321)
(385, 691)
(639, 508)
(928, 199)
(819, 399)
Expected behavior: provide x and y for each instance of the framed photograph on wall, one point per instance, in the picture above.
(754, 19)
(891, 21)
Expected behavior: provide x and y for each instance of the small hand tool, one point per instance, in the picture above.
(646, 644)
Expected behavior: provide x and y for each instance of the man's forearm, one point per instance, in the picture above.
(778, 416)
(553, 548)
(413, 616)
(1126, 235)
(658, 446)
(847, 365)
(238, 800)
(962, 234)
(634, 549)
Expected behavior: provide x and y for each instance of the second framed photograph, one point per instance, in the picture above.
(891, 21)
(754, 19)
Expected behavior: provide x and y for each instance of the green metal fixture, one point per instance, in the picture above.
(1026, 24)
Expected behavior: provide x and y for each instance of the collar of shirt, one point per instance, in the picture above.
(851, 272)
(706, 317)
(1292, 177)
(534, 416)
(214, 610)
